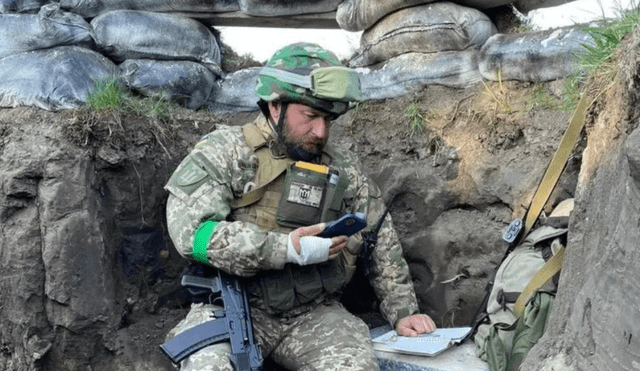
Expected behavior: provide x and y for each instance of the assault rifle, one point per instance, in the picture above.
(233, 323)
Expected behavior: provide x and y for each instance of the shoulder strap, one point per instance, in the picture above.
(254, 195)
(545, 187)
(557, 164)
(548, 270)
(255, 138)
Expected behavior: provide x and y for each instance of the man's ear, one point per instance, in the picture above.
(274, 111)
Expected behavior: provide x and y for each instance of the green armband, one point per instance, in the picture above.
(201, 240)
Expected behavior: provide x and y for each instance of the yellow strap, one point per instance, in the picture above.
(548, 270)
(556, 166)
(546, 186)
(318, 168)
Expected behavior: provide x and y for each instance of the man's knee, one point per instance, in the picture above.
(329, 339)
(212, 358)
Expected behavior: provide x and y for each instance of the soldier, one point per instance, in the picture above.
(249, 201)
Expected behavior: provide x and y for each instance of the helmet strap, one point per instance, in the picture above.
(280, 124)
(276, 127)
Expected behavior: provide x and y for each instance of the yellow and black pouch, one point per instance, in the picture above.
(308, 194)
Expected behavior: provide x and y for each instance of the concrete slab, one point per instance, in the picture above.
(457, 358)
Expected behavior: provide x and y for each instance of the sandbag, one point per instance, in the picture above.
(50, 27)
(525, 6)
(411, 72)
(275, 8)
(21, 6)
(133, 34)
(184, 82)
(536, 56)
(92, 8)
(358, 15)
(236, 92)
(56, 78)
(429, 28)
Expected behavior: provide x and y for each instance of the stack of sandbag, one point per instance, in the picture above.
(187, 83)
(92, 8)
(435, 43)
(414, 71)
(38, 64)
(277, 8)
(49, 28)
(427, 28)
(21, 6)
(524, 6)
(156, 52)
(161, 53)
(55, 78)
(235, 92)
(359, 15)
(535, 56)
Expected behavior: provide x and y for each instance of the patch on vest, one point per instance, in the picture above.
(305, 194)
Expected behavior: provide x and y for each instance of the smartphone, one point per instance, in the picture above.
(345, 226)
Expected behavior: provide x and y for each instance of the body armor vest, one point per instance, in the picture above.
(294, 286)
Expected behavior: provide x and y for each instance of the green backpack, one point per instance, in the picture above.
(521, 299)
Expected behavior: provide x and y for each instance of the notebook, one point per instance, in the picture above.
(423, 345)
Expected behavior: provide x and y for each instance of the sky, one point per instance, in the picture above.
(261, 43)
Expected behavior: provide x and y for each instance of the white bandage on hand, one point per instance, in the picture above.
(312, 250)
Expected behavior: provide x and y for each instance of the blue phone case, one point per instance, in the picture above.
(345, 226)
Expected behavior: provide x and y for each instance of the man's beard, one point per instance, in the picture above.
(297, 152)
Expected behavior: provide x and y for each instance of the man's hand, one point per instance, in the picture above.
(415, 325)
(312, 250)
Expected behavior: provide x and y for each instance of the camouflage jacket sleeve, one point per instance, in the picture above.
(389, 276)
(202, 188)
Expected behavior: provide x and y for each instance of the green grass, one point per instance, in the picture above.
(416, 120)
(107, 94)
(600, 60)
(419, 120)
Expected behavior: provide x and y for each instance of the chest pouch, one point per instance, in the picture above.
(307, 195)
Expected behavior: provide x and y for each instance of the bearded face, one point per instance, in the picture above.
(305, 131)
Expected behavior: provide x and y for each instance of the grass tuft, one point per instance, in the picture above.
(600, 60)
(416, 120)
(499, 94)
(107, 94)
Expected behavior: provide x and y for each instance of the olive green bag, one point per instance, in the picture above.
(525, 333)
(507, 333)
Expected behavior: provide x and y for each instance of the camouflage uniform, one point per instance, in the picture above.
(319, 335)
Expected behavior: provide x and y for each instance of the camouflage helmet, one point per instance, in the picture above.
(309, 74)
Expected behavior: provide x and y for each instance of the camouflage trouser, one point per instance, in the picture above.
(325, 338)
